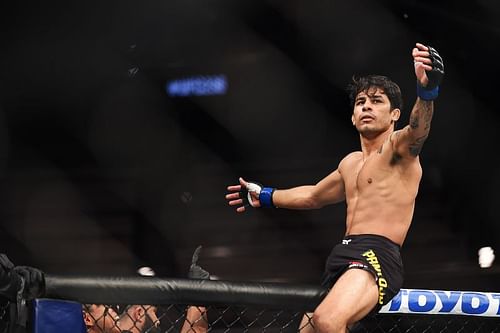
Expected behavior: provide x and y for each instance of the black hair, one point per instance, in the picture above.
(365, 83)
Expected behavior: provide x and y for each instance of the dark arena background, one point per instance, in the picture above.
(123, 122)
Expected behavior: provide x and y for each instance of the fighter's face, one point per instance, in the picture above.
(372, 112)
(104, 318)
(140, 318)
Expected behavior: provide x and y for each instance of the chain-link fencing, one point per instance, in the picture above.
(119, 305)
(175, 318)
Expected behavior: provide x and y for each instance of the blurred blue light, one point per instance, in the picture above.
(197, 86)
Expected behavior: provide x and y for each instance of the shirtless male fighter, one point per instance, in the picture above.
(378, 183)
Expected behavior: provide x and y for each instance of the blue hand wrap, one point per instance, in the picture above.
(266, 197)
(427, 95)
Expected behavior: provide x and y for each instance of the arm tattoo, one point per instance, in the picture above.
(414, 120)
(428, 111)
(420, 123)
(423, 110)
(416, 147)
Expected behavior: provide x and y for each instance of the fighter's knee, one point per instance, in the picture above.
(325, 322)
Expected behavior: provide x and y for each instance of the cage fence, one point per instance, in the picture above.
(179, 305)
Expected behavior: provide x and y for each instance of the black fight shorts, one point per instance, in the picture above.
(376, 254)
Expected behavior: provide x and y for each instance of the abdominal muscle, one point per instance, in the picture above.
(372, 217)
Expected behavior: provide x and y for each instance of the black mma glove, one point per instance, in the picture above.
(14, 278)
(34, 281)
(195, 271)
(435, 76)
(19, 284)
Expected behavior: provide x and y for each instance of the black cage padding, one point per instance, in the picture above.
(140, 290)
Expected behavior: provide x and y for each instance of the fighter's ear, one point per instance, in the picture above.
(139, 313)
(395, 114)
(87, 319)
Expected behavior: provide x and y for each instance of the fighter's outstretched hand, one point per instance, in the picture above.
(429, 66)
(243, 195)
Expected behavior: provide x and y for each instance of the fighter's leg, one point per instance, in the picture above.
(352, 297)
(306, 325)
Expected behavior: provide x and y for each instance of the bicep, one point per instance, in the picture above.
(410, 140)
(330, 189)
(407, 142)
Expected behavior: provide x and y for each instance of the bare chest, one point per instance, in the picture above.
(375, 173)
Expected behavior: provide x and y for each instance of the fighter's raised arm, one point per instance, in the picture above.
(327, 191)
(429, 70)
(379, 183)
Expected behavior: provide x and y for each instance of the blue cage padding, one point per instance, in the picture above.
(59, 316)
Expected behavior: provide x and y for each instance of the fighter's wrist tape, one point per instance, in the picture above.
(427, 95)
(266, 197)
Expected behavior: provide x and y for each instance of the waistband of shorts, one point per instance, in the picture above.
(373, 236)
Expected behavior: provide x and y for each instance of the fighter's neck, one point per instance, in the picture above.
(373, 144)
